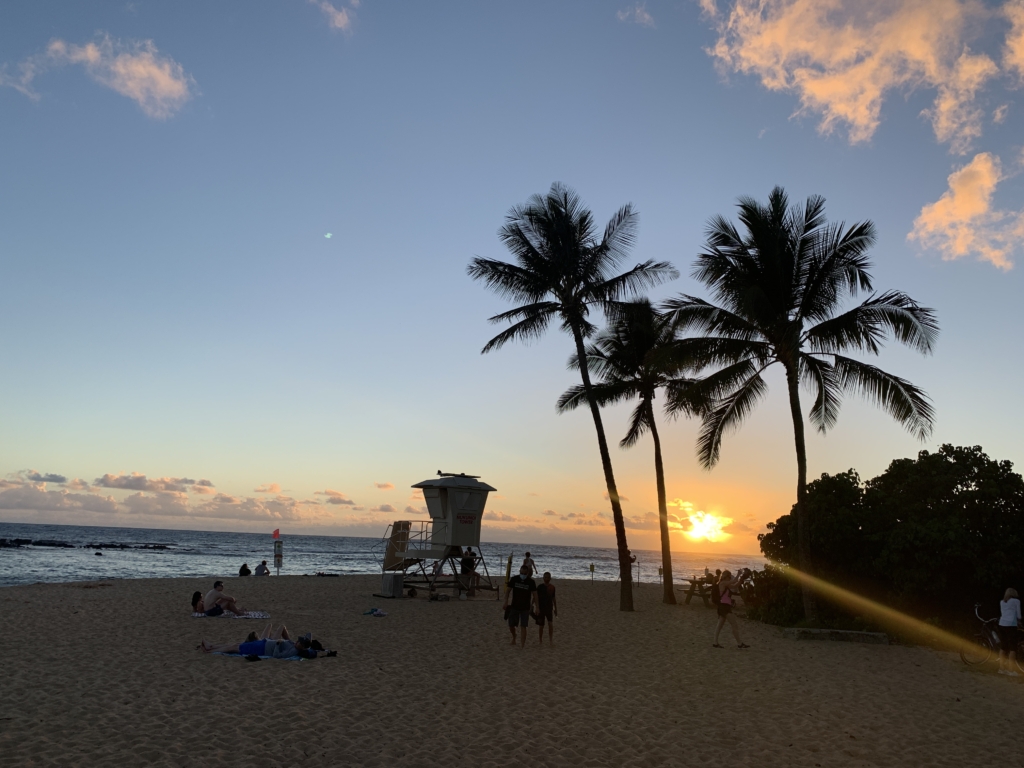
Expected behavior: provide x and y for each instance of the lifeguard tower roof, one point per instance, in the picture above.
(449, 480)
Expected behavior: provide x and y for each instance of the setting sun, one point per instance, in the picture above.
(707, 527)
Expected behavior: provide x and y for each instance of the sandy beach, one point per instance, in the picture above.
(106, 673)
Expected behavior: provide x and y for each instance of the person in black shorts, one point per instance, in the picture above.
(523, 592)
(546, 603)
(467, 566)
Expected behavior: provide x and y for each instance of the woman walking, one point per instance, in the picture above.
(727, 586)
(1009, 619)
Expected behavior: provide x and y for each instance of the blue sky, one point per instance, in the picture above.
(174, 310)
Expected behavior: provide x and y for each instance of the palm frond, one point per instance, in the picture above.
(865, 326)
(509, 281)
(690, 314)
(604, 394)
(639, 424)
(633, 282)
(821, 377)
(727, 414)
(905, 402)
(527, 330)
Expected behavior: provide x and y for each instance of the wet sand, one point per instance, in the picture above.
(106, 674)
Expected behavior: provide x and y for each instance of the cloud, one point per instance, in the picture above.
(549, 512)
(842, 59)
(384, 508)
(163, 504)
(637, 14)
(49, 477)
(500, 517)
(267, 488)
(337, 18)
(385, 486)
(621, 497)
(78, 484)
(139, 482)
(29, 497)
(999, 114)
(533, 494)
(336, 497)
(416, 511)
(157, 83)
(203, 490)
(963, 223)
(1013, 51)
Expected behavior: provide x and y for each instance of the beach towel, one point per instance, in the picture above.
(377, 612)
(229, 615)
(261, 658)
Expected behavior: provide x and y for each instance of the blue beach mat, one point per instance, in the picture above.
(229, 615)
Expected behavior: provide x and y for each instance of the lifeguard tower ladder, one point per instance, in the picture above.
(416, 553)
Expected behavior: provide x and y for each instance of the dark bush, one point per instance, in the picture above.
(930, 536)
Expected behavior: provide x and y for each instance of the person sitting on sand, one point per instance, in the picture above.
(198, 606)
(244, 570)
(262, 570)
(1009, 620)
(727, 587)
(277, 645)
(216, 602)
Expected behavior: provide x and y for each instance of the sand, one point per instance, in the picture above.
(106, 673)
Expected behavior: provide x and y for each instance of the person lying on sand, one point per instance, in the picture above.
(276, 644)
(216, 602)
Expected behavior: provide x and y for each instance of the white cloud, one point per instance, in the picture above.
(637, 14)
(963, 222)
(384, 508)
(843, 58)
(137, 481)
(385, 486)
(337, 18)
(157, 83)
(267, 488)
(30, 497)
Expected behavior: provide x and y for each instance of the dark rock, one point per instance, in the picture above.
(98, 554)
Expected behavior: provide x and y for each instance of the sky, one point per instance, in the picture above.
(234, 238)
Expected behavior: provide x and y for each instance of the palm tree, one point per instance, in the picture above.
(562, 271)
(779, 288)
(633, 359)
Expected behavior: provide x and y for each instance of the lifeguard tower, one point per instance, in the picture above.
(427, 553)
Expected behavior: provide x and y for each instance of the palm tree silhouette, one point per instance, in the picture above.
(780, 286)
(633, 359)
(562, 271)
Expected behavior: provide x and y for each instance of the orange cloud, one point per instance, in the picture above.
(385, 486)
(843, 58)
(962, 222)
(1013, 52)
(267, 488)
(337, 18)
(337, 497)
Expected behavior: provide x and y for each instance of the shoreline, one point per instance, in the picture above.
(111, 677)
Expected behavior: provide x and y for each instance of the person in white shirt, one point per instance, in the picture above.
(262, 570)
(1009, 620)
(529, 563)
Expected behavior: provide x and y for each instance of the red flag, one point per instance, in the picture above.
(277, 533)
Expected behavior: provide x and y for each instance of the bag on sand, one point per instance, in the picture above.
(716, 594)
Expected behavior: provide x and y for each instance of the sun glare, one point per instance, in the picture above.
(707, 527)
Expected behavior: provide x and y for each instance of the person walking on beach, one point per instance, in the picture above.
(262, 570)
(725, 587)
(467, 567)
(523, 592)
(217, 602)
(528, 563)
(1009, 620)
(546, 603)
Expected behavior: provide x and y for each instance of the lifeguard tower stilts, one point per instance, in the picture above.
(427, 553)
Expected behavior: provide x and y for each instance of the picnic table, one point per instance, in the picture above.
(702, 588)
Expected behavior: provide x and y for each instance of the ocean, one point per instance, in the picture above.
(134, 553)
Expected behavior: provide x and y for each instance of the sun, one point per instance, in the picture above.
(707, 527)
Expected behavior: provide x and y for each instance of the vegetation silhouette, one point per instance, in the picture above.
(563, 271)
(779, 286)
(633, 359)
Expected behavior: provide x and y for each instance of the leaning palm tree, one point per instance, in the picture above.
(562, 271)
(633, 359)
(779, 287)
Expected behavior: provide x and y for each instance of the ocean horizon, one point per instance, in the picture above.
(69, 554)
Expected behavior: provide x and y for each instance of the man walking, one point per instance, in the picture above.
(523, 592)
(546, 603)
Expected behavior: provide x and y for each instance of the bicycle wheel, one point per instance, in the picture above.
(977, 652)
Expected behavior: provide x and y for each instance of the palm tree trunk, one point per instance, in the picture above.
(669, 593)
(803, 534)
(625, 566)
